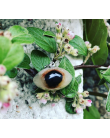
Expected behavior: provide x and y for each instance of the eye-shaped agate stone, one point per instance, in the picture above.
(52, 78)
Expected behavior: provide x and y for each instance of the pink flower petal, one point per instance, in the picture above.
(53, 104)
(6, 105)
(44, 101)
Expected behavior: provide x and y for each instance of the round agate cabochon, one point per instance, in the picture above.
(52, 78)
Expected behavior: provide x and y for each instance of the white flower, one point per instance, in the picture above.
(88, 44)
(81, 101)
(88, 102)
(73, 104)
(68, 48)
(85, 93)
(70, 35)
(80, 95)
(66, 31)
(57, 98)
(12, 86)
(58, 27)
(43, 100)
(74, 52)
(39, 95)
(4, 80)
(4, 95)
(95, 49)
(58, 37)
(8, 35)
(2, 70)
(78, 109)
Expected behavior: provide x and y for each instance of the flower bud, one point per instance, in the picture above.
(57, 98)
(70, 35)
(4, 80)
(85, 93)
(12, 86)
(81, 101)
(58, 27)
(80, 95)
(58, 37)
(68, 48)
(66, 31)
(88, 44)
(8, 35)
(2, 70)
(74, 104)
(39, 95)
(74, 52)
(4, 96)
(46, 95)
(94, 49)
(78, 109)
(88, 102)
(51, 98)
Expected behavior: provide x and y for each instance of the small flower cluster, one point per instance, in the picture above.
(91, 50)
(70, 50)
(46, 96)
(6, 34)
(63, 38)
(8, 89)
(79, 103)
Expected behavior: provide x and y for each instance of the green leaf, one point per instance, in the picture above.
(49, 33)
(17, 30)
(23, 39)
(79, 44)
(38, 90)
(69, 108)
(106, 75)
(12, 73)
(97, 35)
(10, 54)
(25, 63)
(5, 45)
(69, 99)
(39, 59)
(78, 79)
(68, 90)
(92, 113)
(102, 81)
(46, 43)
(108, 102)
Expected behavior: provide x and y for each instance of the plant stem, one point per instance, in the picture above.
(31, 72)
(89, 66)
(98, 94)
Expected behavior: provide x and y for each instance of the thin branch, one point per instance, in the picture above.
(98, 94)
(31, 72)
(89, 66)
